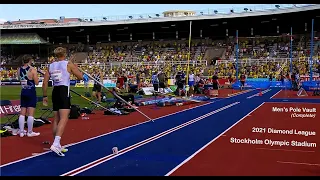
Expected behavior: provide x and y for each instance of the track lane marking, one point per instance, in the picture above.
(297, 163)
(141, 143)
(206, 145)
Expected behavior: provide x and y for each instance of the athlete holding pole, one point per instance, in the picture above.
(60, 71)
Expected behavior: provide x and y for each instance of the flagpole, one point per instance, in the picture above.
(237, 55)
(188, 65)
(291, 39)
(311, 50)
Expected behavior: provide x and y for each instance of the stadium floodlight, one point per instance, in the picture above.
(104, 18)
(201, 13)
(215, 11)
(246, 9)
(277, 6)
(158, 15)
(130, 17)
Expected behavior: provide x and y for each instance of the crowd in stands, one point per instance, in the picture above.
(146, 52)
(168, 55)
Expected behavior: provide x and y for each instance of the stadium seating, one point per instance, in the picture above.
(258, 58)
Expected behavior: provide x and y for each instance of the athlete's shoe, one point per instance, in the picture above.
(22, 134)
(17, 131)
(33, 134)
(57, 150)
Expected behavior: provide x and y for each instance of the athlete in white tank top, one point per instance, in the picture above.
(59, 73)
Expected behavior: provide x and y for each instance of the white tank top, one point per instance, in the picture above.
(191, 77)
(59, 73)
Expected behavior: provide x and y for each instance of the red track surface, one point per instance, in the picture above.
(224, 158)
(224, 92)
(14, 148)
(293, 94)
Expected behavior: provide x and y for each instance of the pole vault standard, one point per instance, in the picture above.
(311, 50)
(117, 96)
(237, 55)
(291, 39)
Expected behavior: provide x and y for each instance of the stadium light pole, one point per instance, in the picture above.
(237, 55)
(311, 49)
(188, 66)
(291, 39)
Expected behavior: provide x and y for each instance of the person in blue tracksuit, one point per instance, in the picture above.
(28, 77)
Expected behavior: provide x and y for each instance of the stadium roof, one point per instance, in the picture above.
(151, 18)
(268, 25)
(30, 38)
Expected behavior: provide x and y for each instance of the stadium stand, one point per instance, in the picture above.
(264, 43)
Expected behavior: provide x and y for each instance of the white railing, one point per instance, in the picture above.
(125, 64)
(159, 63)
(194, 62)
(264, 61)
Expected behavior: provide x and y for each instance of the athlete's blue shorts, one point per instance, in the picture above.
(191, 83)
(28, 98)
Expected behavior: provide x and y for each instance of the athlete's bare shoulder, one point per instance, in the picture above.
(70, 65)
(32, 68)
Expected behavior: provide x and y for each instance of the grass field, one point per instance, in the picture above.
(13, 93)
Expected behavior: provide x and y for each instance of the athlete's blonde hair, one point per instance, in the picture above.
(60, 52)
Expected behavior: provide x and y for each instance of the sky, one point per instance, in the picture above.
(13, 12)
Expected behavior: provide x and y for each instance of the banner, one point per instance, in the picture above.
(81, 84)
(149, 90)
(311, 85)
(73, 82)
(40, 84)
(307, 78)
(10, 109)
(109, 83)
(263, 84)
(10, 82)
